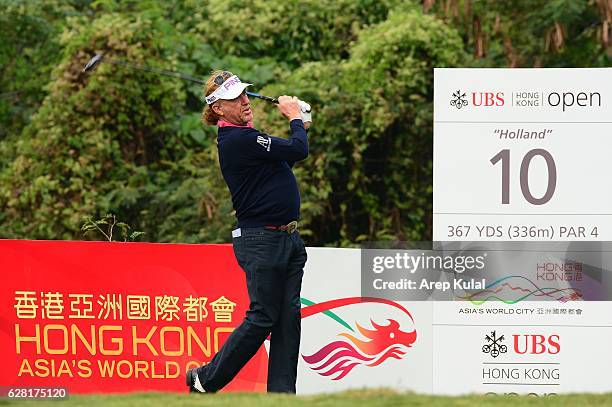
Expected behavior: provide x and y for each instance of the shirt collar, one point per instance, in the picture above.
(223, 123)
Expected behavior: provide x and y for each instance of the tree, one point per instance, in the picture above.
(531, 33)
(125, 142)
(91, 135)
(370, 175)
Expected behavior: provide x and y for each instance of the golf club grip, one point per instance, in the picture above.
(266, 98)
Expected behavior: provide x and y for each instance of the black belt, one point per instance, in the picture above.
(289, 227)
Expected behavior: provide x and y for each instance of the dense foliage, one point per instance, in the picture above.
(75, 146)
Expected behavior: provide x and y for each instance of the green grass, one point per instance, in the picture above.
(379, 397)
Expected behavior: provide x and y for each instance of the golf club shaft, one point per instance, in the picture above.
(266, 98)
(100, 58)
(164, 72)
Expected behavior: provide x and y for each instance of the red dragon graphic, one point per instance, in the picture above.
(341, 356)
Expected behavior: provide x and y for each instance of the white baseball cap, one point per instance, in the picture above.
(231, 88)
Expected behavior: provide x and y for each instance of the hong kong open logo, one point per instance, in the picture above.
(357, 345)
(493, 345)
(459, 100)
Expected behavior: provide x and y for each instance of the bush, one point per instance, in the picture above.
(369, 177)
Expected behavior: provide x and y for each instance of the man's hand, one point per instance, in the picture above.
(289, 107)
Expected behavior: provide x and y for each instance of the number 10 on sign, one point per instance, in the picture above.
(504, 157)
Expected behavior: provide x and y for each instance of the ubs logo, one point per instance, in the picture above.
(536, 344)
(522, 344)
(488, 99)
(479, 99)
(493, 345)
(459, 100)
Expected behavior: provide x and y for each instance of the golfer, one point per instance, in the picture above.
(267, 245)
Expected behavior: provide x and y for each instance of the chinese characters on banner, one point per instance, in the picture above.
(160, 310)
(53, 305)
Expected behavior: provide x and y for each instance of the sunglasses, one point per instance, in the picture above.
(219, 79)
(222, 77)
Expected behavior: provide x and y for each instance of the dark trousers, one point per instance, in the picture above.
(273, 262)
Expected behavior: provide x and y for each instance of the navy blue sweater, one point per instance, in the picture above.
(257, 170)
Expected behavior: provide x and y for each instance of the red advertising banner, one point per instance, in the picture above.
(118, 317)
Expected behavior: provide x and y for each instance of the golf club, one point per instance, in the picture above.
(95, 61)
